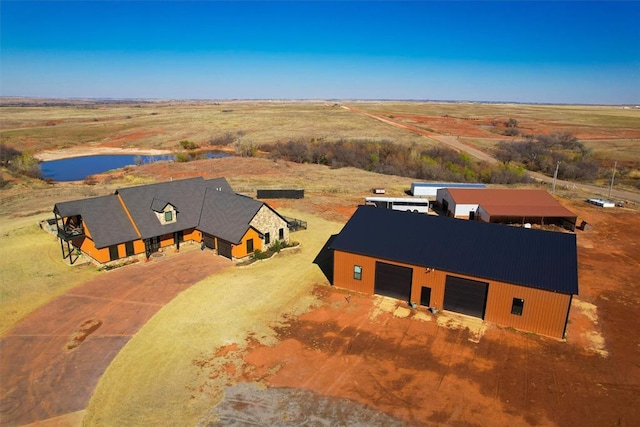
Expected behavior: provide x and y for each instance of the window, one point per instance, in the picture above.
(516, 306)
(168, 216)
(249, 246)
(267, 238)
(281, 234)
(357, 272)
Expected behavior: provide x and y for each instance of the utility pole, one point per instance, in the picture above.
(613, 175)
(555, 175)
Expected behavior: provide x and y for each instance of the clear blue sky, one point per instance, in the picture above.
(545, 51)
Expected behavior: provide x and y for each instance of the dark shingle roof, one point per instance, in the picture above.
(227, 215)
(210, 205)
(104, 217)
(185, 195)
(534, 258)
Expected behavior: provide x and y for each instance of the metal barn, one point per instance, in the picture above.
(511, 276)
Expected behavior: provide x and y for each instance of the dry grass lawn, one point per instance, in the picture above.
(31, 271)
(241, 305)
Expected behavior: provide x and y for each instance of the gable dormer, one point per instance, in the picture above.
(165, 211)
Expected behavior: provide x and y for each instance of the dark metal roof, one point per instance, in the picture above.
(227, 215)
(104, 217)
(535, 258)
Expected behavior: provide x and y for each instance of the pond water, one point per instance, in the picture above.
(78, 168)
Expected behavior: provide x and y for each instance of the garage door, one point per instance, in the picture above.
(224, 248)
(209, 241)
(465, 296)
(393, 281)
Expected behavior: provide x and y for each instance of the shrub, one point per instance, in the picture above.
(223, 140)
(188, 145)
(183, 157)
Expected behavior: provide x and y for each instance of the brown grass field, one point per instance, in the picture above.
(272, 343)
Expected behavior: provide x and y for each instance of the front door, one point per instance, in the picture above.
(153, 244)
(425, 296)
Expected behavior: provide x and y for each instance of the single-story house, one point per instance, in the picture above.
(145, 218)
(505, 206)
(512, 276)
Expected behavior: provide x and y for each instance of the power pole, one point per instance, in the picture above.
(613, 175)
(555, 175)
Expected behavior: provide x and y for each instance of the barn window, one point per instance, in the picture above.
(357, 272)
(168, 216)
(516, 306)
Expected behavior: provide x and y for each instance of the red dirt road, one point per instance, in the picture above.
(42, 379)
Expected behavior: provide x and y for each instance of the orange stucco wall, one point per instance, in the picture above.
(240, 251)
(544, 312)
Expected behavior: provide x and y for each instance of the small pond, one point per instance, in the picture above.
(78, 168)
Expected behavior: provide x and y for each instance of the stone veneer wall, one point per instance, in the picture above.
(266, 221)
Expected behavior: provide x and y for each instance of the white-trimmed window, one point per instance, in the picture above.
(357, 272)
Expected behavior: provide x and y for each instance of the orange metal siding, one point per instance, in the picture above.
(544, 312)
(343, 272)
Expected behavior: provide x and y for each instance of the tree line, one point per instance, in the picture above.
(424, 163)
(541, 153)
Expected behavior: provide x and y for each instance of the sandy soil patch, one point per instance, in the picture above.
(67, 153)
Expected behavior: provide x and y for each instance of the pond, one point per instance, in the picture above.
(78, 168)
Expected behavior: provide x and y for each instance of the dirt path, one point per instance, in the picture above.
(43, 378)
(454, 143)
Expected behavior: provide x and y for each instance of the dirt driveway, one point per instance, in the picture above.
(42, 378)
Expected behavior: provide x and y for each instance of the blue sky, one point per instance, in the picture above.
(545, 51)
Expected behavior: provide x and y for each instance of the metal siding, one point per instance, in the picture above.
(462, 210)
(343, 272)
(544, 312)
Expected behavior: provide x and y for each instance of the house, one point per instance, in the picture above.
(506, 206)
(146, 218)
(513, 276)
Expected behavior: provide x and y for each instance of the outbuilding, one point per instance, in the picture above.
(512, 276)
(430, 189)
(505, 206)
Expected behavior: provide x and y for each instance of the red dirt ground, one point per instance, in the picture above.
(448, 125)
(42, 378)
(425, 374)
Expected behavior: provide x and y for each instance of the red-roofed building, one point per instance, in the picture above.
(506, 206)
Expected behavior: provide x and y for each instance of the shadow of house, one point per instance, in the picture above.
(324, 259)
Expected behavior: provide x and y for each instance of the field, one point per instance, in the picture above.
(273, 343)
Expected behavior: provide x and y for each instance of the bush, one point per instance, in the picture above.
(188, 145)
(183, 157)
(223, 140)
